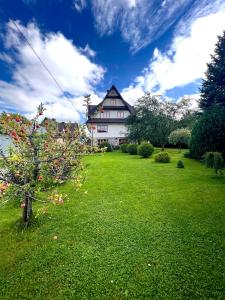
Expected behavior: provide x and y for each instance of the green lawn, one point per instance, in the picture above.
(143, 231)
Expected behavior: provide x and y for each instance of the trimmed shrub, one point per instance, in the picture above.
(215, 161)
(107, 146)
(162, 157)
(123, 148)
(180, 164)
(116, 147)
(145, 150)
(132, 149)
(187, 154)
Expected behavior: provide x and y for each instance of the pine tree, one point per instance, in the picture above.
(213, 87)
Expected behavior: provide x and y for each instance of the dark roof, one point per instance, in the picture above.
(71, 126)
(93, 108)
(109, 120)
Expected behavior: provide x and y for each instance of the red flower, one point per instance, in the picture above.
(40, 178)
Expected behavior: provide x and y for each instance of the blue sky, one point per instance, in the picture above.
(158, 46)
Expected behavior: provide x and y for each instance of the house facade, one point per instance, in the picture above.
(106, 121)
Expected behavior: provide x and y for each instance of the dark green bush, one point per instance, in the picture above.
(116, 147)
(145, 149)
(180, 164)
(106, 145)
(132, 149)
(123, 148)
(162, 157)
(215, 161)
(187, 154)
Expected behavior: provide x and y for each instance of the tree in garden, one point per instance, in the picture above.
(40, 158)
(208, 133)
(180, 137)
(213, 86)
(215, 161)
(152, 120)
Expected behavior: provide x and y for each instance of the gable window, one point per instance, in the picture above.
(113, 102)
(102, 128)
(105, 115)
(120, 114)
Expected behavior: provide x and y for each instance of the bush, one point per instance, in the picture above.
(116, 147)
(107, 146)
(215, 161)
(132, 149)
(162, 157)
(145, 149)
(187, 154)
(123, 148)
(180, 164)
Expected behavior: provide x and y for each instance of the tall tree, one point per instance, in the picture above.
(153, 120)
(213, 86)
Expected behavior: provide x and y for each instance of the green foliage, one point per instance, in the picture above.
(180, 164)
(180, 137)
(145, 150)
(38, 160)
(213, 87)
(208, 133)
(162, 157)
(123, 148)
(154, 119)
(132, 149)
(116, 147)
(215, 161)
(106, 145)
(187, 154)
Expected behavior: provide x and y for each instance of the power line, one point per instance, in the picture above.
(29, 44)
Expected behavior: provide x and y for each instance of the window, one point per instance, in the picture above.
(105, 115)
(120, 114)
(113, 102)
(102, 128)
(100, 141)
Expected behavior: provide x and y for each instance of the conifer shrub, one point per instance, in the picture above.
(132, 149)
(123, 148)
(145, 150)
(180, 164)
(215, 161)
(162, 157)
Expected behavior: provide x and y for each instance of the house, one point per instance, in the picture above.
(106, 121)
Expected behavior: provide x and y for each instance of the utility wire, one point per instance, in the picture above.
(29, 44)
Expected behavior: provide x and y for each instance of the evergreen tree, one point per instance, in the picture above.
(208, 133)
(213, 87)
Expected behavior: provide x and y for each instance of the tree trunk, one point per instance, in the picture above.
(27, 211)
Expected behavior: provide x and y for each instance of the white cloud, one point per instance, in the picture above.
(186, 60)
(31, 84)
(88, 51)
(79, 5)
(140, 21)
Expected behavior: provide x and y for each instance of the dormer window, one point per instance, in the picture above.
(113, 102)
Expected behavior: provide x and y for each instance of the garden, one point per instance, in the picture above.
(145, 220)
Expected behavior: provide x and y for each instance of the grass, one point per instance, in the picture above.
(144, 230)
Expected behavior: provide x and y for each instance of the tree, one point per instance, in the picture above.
(152, 120)
(213, 86)
(208, 133)
(180, 137)
(40, 158)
